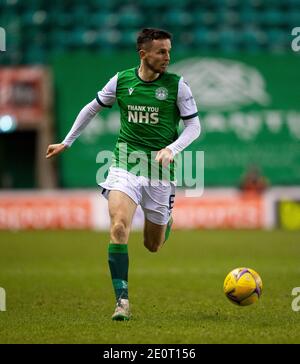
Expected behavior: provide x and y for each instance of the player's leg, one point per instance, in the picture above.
(121, 211)
(157, 204)
(154, 235)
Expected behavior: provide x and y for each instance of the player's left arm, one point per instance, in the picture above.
(192, 128)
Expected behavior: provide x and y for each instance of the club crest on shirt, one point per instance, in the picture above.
(161, 93)
(130, 90)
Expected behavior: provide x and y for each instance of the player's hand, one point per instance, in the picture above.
(55, 149)
(164, 156)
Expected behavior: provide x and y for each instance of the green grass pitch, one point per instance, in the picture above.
(58, 288)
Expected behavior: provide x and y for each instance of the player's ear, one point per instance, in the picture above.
(142, 53)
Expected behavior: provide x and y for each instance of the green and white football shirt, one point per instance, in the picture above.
(150, 114)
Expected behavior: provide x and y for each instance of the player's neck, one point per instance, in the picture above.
(146, 74)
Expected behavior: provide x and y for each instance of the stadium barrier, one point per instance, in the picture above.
(216, 209)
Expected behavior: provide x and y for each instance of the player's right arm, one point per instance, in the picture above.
(105, 98)
(54, 149)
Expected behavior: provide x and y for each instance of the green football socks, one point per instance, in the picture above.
(118, 263)
(168, 230)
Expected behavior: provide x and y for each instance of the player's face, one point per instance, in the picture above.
(157, 55)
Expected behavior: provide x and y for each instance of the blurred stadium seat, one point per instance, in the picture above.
(219, 25)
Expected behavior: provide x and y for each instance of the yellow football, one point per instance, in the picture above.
(243, 286)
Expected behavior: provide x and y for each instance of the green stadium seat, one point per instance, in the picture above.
(278, 40)
(178, 18)
(112, 24)
(106, 5)
(102, 19)
(36, 55)
(228, 40)
(293, 18)
(249, 17)
(108, 39)
(229, 18)
(80, 16)
(128, 39)
(205, 18)
(183, 41)
(37, 18)
(293, 4)
(58, 38)
(60, 19)
(272, 17)
(252, 40)
(75, 37)
(158, 4)
(204, 38)
(129, 18)
(31, 4)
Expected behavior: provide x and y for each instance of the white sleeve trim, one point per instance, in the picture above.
(84, 117)
(191, 131)
(185, 100)
(107, 96)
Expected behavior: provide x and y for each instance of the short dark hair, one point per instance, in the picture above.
(148, 34)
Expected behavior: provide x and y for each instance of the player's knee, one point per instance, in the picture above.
(119, 232)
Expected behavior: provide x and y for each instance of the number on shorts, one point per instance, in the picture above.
(171, 202)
